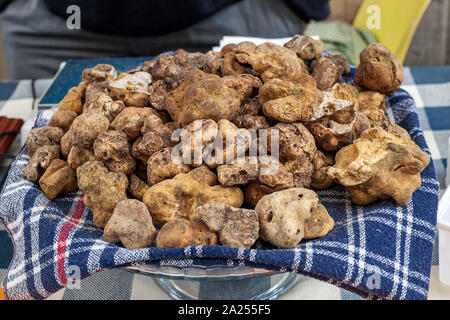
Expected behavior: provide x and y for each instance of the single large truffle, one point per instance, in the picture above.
(282, 215)
(62, 119)
(43, 136)
(328, 70)
(130, 224)
(306, 48)
(79, 155)
(86, 128)
(287, 101)
(132, 89)
(380, 165)
(113, 148)
(183, 233)
(58, 179)
(238, 173)
(178, 197)
(99, 73)
(103, 190)
(237, 227)
(39, 161)
(162, 165)
(131, 120)
(379, 70)
(269, 60)
(73, 100)
(294, 140)
(208, 96)
(319, 224)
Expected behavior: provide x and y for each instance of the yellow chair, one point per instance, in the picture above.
(393, 22)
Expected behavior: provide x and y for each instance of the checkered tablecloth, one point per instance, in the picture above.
(430, 88)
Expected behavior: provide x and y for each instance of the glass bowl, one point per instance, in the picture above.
(218, 282)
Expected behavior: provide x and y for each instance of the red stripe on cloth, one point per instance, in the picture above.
(64, 234)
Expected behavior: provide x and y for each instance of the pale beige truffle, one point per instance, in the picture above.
(58, 179)
(181, 233)
(130, 224)
(282, 216)
(132, 89)
(103, 190)
(380, 165)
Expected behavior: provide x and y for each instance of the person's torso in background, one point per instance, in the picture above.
(159, 17)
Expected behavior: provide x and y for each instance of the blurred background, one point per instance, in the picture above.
(430, 45)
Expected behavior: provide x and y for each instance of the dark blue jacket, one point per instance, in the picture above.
(158, 17)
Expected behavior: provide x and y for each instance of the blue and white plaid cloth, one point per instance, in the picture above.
(377, 251)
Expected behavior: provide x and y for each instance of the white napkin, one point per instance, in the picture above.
(236, 39)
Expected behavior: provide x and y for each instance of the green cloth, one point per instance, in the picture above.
(341, 37)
